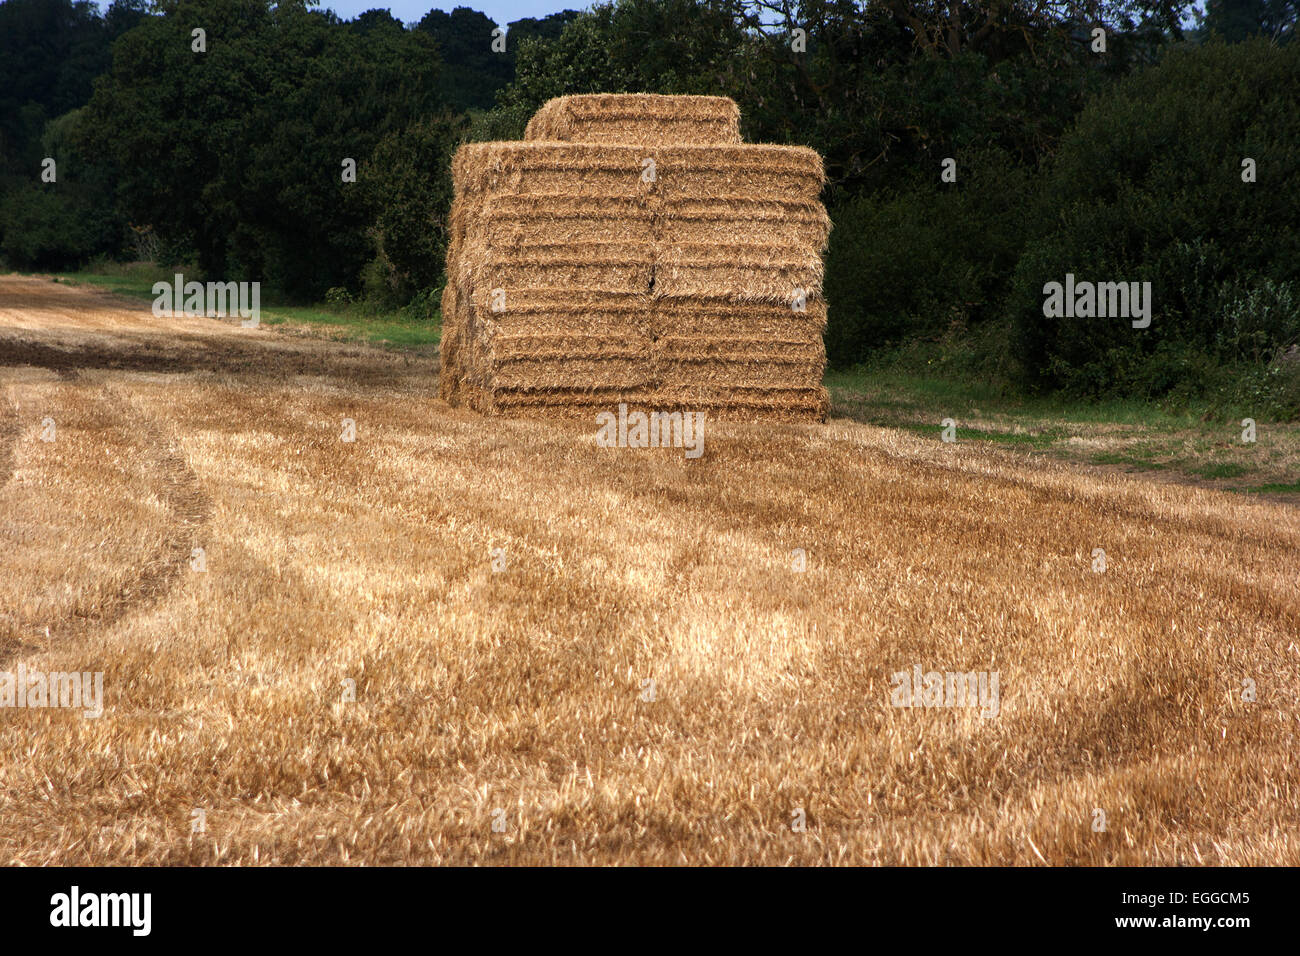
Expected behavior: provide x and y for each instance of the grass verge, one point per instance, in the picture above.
(353, 323)
(1189, 444)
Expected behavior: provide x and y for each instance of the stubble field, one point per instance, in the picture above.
(563, 653)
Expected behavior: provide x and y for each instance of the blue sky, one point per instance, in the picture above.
(411, 11)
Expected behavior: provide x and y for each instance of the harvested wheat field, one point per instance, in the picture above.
(607, 652)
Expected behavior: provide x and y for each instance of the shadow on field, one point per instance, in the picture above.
(259, 357)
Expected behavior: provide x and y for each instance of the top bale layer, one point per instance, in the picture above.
(743, 173)
(635, 119)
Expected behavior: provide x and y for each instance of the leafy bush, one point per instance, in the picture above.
(239, 153)
(44, 228)
(1148, 187)
(425, 306)
(910, 264)
(409, 192)
(1259, 320)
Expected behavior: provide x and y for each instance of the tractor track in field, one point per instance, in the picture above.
(190, 510)
(9, 430)
(70, 331)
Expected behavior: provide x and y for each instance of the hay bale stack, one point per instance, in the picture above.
(668, 275)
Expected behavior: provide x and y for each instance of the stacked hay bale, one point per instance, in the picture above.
(632, 249)
(637, 119)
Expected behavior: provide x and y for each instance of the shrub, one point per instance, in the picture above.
(44, 228)
(1148, 184)
(409, 192)
(909, 264)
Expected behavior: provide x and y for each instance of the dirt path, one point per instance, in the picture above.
(614, 654)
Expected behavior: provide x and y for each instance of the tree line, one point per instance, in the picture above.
(976, 150)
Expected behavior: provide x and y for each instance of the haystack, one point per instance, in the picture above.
(631, 249)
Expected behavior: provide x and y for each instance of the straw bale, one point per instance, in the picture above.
(741, 173)
(524, 221)
(624, 267)
(718, 404)
(700, 348)
(604, 372)
(740, 271)
(802, 225)
(638, 119)
(720, 316)
(631, 343)
(697, 373)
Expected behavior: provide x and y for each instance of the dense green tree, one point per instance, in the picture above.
(915, 262)
(1236, 20)
(376, 19)
(50, 53)
(1150, 185)
(473, 71)
(241, 147)
(865, 90)
(409, 191)
(647, 46)
(57, 225)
